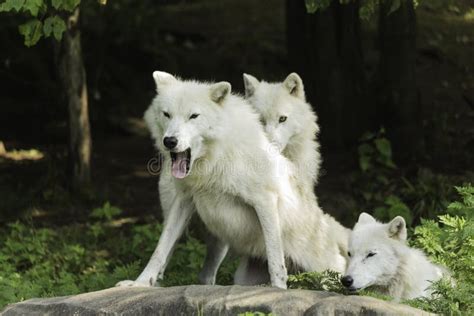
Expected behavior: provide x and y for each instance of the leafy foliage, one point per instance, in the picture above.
(375, 150)
(53, 261)
(324, 281)
(451, 243)
(367, 9)
(393, 207)
(42, 262)
(106, 212)
(382, 187)
(45, 17)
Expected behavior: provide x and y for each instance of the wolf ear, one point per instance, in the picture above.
(219, 91)
(397, 228)
(162, 79)
(251, 83)
(365, 218)
(294, 85)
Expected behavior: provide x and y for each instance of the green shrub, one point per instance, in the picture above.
(451, 243)
(53, 261)
(318, 281)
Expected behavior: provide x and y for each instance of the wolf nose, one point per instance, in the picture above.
(347, 280)
(170, 142)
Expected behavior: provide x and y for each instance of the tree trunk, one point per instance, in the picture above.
(332, 67)
(73, 77)
(398, 95)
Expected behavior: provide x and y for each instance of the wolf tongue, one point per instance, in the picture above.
(178, 166)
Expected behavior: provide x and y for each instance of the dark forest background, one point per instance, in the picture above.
(408, 73)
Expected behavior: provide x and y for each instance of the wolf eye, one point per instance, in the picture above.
(166, 114)
(263, 122)
(371, 254)
(193, 116)
(349, 253)
(282, 119)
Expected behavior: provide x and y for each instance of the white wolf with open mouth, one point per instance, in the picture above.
(380, 258)
(221, 166)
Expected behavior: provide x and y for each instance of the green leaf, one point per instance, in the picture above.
(384, 147)
(59, 29)
(33, 6)
(54, 25)
(70, 5)
(67, 5)
(314, 5)
(56, 4)
(396, 4)
(364, 163)
(10, 5)
(31, 31)
(107, 211)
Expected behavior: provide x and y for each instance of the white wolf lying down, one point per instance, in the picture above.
(221, 167)
(380, 257)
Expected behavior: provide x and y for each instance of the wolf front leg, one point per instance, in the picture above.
(174, 226)
(216, 252)
(268, 215)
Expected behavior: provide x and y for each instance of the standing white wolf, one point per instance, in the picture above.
(380, 257)
(222, 167)
(291, 126)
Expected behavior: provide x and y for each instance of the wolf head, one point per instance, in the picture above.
(182, 116)
(374, 252)
(280, 106)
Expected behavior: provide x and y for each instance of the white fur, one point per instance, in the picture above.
(295, 137)
(394, 268)
(238, 187)
(244, 191)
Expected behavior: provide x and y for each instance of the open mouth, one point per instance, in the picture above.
(180, 163)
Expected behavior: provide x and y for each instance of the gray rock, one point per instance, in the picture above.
(208, 300)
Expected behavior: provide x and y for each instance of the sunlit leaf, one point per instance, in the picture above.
(396, 4)
(383, 146)
(314, 5)
(31, 31)
(56, 4)
(70, 5)
(10, 5)
(54, 25)
(33, 6)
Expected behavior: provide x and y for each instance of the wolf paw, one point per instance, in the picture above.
(137, 283)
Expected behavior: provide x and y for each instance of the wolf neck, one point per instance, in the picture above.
(303, 152)
(406, 282)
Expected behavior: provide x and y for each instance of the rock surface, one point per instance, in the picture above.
(208, 300)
